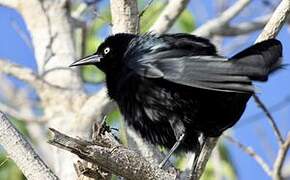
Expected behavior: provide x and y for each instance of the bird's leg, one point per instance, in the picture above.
(175, 146)
(201, 140)
(179, 132)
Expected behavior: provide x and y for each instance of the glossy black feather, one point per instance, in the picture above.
(180, 78)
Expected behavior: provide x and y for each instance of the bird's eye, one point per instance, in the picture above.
(106, 50)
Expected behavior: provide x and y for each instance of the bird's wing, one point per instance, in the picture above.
(205, 72)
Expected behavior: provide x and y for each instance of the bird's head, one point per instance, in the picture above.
(109, 53)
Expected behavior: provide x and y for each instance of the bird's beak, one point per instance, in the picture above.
(92, 59)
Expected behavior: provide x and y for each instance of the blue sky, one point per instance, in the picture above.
(253, 132)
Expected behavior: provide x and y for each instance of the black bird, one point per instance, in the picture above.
(172, 88)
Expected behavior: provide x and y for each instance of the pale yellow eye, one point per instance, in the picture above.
(106, 50)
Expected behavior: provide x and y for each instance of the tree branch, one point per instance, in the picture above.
(21, 73)
(209, 28)
(125, 16)
(168, 16)
(22, 153)
(280, 159)
(271, 30)
(9, 3)
(270, 118)
(242, 28)
(251, 153)
(276, 22)
(19, 115)
(114, 159)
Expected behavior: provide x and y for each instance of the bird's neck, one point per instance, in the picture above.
(115, 80)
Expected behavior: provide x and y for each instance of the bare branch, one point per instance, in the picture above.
(19, 115)
(274, 108)
(276, 22)
(9, 3)
(209, 28)
(168, 16)
(251, 153)
(22, 153)
(125, 17)
(145, 8)
(280, 159)
(116, 159)
(21, 73)
(242, 28)
(270, 118)
(94, 108)
(271, 30)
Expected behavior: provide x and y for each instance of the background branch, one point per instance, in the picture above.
(270, 31)
(9, 3)
(276, 21)
(21, 73)
(251, 153)
(242, 28)
(20, 115)
(280, 159)
(125, 16)
(209, 28)
(168, 16)
(270, 118)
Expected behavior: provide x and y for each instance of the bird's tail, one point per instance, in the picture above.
(259, 60)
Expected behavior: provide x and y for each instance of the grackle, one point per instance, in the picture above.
(174, 88)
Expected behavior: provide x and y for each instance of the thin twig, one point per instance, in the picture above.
(25, 74)
(271, 30)
(270, 118)
(21, 73)
(168, 16)
(145, 8)
(274, 108)
(22, 116)
(280, 159)
(251, 153)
